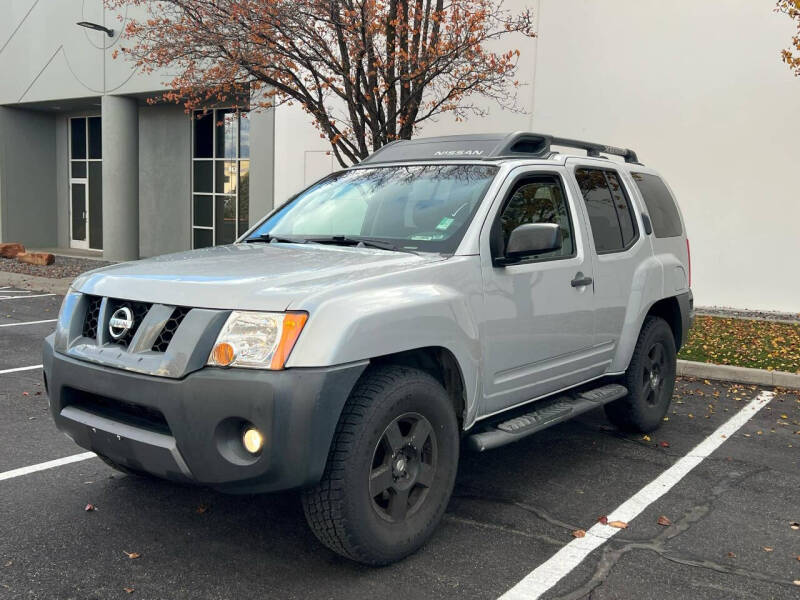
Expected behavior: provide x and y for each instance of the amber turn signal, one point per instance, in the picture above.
(223, 354)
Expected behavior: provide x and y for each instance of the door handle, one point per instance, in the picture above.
(580, 280)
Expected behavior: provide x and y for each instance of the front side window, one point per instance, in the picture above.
(426, 207)
(220, 176)
(609, 209)
(539, 200)
(660, 205)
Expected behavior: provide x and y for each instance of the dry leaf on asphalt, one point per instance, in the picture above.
(11, 562)
(662, 520)
(768, 549)
(90, 507)
(796, 582)
(128, 590)
(664, 444)
(794, 525)
(132, 555)
(731, 555)
(579, 533)
(201, 509)
(646, 438)
(618, 524)
(603, 520)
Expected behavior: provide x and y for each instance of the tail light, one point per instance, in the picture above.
(689, 258)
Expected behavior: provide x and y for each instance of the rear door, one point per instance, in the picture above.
(538, 326)
(619, 247)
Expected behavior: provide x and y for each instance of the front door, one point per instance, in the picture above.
(539, 325)
(85, 183)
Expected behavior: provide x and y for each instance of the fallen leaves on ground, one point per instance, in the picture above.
(128, 590)
(662, 520)
(618, 524)
(768, 548)
(646, 438)
(90, 507)
(794, 525)
(201, 508)
(603, 520)
(132, 555)
(664, 444)
(731, 555)
(579, 533)
(759, 344)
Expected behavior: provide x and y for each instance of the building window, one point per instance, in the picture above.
(220, 176)
(86, 182)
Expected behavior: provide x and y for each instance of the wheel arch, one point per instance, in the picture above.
(440, 363)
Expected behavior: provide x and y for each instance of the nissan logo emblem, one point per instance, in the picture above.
(120, 322)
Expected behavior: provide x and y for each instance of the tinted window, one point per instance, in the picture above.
(623, 207)
(609, 209)
(660, 205)
(539, 201)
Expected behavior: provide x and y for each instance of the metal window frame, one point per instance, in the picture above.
(213, 160)
(82, 180)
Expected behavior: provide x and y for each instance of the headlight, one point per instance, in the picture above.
(257, 340)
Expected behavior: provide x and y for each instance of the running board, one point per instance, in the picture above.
(547, 413)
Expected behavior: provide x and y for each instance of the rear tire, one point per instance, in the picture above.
(650, 380)
(391, 468)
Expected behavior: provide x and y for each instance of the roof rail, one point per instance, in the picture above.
(488, 147)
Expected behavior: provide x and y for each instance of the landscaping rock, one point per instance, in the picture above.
(11, 249)
(36, 258)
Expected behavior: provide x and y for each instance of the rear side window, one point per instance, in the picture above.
(609, 209)
(660, 205)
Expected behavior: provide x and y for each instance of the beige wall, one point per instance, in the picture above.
(697, 89)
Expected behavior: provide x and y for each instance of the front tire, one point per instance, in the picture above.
(650, 380)
(391, 468)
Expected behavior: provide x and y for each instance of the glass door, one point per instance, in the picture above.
(86, 183)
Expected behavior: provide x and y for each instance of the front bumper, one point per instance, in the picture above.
(189, 429)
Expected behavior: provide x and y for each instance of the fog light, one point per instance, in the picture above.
(253, 440)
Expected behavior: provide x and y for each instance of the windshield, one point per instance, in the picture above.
(426, 207)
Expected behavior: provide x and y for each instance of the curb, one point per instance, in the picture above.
(689, 368)
(33, 282)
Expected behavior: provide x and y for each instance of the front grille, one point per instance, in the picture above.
(139, 310)
(92, 317)
(135, 415)
(170, 327)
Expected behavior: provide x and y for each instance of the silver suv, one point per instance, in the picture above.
(468, 288)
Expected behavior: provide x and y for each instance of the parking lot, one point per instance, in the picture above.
(729, 533)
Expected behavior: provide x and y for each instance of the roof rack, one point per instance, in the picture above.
(488, 147)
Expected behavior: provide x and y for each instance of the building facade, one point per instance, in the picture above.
(87, 160)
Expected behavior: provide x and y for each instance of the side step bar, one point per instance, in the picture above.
(547, 413)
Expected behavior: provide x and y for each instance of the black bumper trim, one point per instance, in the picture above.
(296, 409)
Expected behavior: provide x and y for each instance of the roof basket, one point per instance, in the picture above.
(488, 147)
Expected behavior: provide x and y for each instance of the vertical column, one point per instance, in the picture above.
(120, 178)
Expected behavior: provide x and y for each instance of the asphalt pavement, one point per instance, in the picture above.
(731, 533)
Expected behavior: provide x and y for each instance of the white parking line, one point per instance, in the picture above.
(46, 465)
(550, 572)
(24, 297)
(29, 323)
(7, 291)
(31, 368)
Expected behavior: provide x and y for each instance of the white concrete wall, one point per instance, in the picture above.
(696, 88)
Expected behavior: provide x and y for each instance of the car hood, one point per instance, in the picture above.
(253, 276)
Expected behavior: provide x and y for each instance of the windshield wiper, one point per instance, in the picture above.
(344, 240)
(267, 238)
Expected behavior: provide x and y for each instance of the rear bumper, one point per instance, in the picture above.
(686, 304)
(190, 429)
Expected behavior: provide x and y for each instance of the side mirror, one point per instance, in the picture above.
(531, 239)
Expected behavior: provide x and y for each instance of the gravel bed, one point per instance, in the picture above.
(65, 266)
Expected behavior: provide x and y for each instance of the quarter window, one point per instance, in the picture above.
(609, 209)
(539, 200)
(660, 205)
(220, 177)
